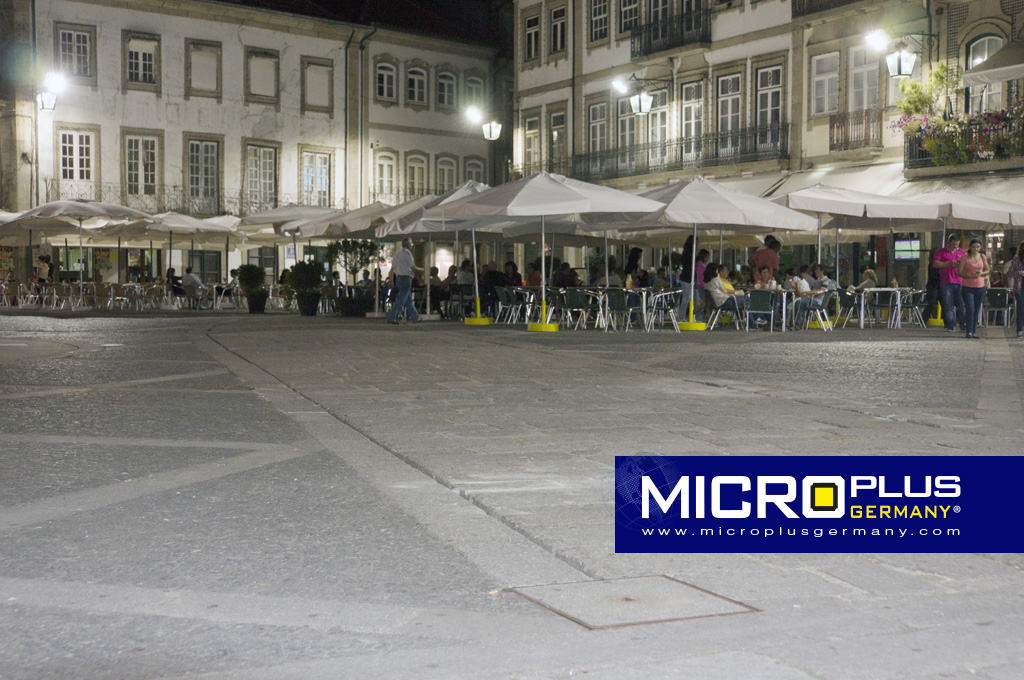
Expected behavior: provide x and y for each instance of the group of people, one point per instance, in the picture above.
(176, 284)
(962, 278)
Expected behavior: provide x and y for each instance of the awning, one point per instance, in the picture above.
(1006, 64)
(872, 178)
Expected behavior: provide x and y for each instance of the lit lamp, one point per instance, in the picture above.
(901, 62)
(492, 131)
(641, 103)
(52, 86)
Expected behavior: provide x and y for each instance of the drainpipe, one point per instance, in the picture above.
(347, 94)
(35, 120)
(362, 48)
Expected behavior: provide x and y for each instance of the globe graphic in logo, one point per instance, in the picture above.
(629, 471)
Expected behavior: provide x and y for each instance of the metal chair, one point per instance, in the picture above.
(662, 304)
(621, 308)
(820, 311)
(999, 301)
(761, 303)
(735, 311)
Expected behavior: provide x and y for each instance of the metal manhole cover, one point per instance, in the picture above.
(631, 601)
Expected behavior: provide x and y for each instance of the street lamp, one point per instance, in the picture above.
(52, 86)
(641, 101)
(900, 62)
(492, 131)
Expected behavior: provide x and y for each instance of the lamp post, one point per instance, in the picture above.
(901, 61)
(641, 101)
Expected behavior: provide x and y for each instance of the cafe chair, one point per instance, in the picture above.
(820, 311)
(762, 304)
(621, 309)
(999, 301)
(734, 313)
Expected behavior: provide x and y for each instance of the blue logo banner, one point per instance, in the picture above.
(819, 504)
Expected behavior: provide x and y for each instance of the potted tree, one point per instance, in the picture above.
(354, 254)
(251, 278)
(307, 279)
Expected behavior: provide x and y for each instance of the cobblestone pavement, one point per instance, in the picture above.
(234, 496)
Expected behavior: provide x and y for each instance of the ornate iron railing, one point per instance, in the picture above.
(855, 130)
(162, 198)
(561, 166)
(679, 29)
(804, 7)
(964, 143)
(766, 142)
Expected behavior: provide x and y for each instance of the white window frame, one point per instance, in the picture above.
(986, 97)
(316, 178)
(142, 61)
(387, 74)
(598, 20)
(203, 174)
(141, 164)
(729, 91)
(385, 177)
(531, 38)
(597, 127)
(657, 126)
(446, 90)
(475, 171)
(77, 155)
(75, 50)
(824, 85)
(629, 15)
(261, 180)
(474, 90)
(558, 146)
(531, 143)
(864, 68)
(415, 176)
(416, 86)
(447, 175)
(558, 26)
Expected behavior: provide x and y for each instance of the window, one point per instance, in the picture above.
(415, 176)
(140, 166)
(445, 175)
(657, 126)
(557, 30)
(863, 79)
(316, 178)
(385, 184)
(474, 91)
(989, 97)
(626, 126)
(558, 147)
(76, 156)
(659, 26)
(475, 171)
(769, 106)
(317, 85)
(262, 76)
(728, 113)
(204, 176)
(416, 86)
(76, 52)
(202, 69)
(629, 13)
(446, 90)
(141, 55)
(260, 177)
(825, 84)
(692, 110)
(531, 48)
(531, 144)
(598, 128)
(386, 82)
(598, 20)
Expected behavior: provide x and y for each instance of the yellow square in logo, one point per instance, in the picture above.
(824, 496)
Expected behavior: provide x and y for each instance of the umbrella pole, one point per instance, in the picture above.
(607, 274)
(837, 273)
(227, 245)
(119, 259)
(81, 270)
(430, 246)
(819, 238)
(541, 324)
(479, 320)
(690, 324)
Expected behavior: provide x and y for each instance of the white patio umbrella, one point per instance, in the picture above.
(711, 208)
(967, 211)
(541, 196)
(56, 215)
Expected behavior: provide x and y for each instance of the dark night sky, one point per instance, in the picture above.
(467, 19)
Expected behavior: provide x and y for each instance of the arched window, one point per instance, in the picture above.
(416, 86)
(386, 82)
(986, 97)
(474, 91)
(445, 175)
(416, 176)
(384, 184)
(475, 171)
(446, 90)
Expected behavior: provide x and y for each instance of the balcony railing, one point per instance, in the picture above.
(162, 198)
(398, 196)
(762, 143)
(684, 28)
(805, 7)
(561, 166)
(972, 142)
(855, 130)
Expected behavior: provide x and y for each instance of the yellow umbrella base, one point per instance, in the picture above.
(935, 322)
(692, 326)
(481, 321)
(543, 327)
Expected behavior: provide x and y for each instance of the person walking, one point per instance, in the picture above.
(972, 270)
(1014, 272)
(946, 261)
(403, 267)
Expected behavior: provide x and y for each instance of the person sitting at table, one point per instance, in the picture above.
(364, 282)
(532, 275)
(512, 276)
(229, 288)
(821, 279)
(802, 296)
(658, 281)
(564, 277)
(764, 279)
(805, 273)
(870, 280)
(723, 294)
(191, 279)
(336, 278)
(613, 281)
(466, 276)
(451, 279)
(174, 282)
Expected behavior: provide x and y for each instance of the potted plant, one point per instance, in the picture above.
(306, 281)
(251, 279)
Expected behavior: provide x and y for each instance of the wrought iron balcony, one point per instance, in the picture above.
(805, 7)
(162, 198)
(746, 145)
(560, 166)
(684, 28)
(965, 143)
(855, 130)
